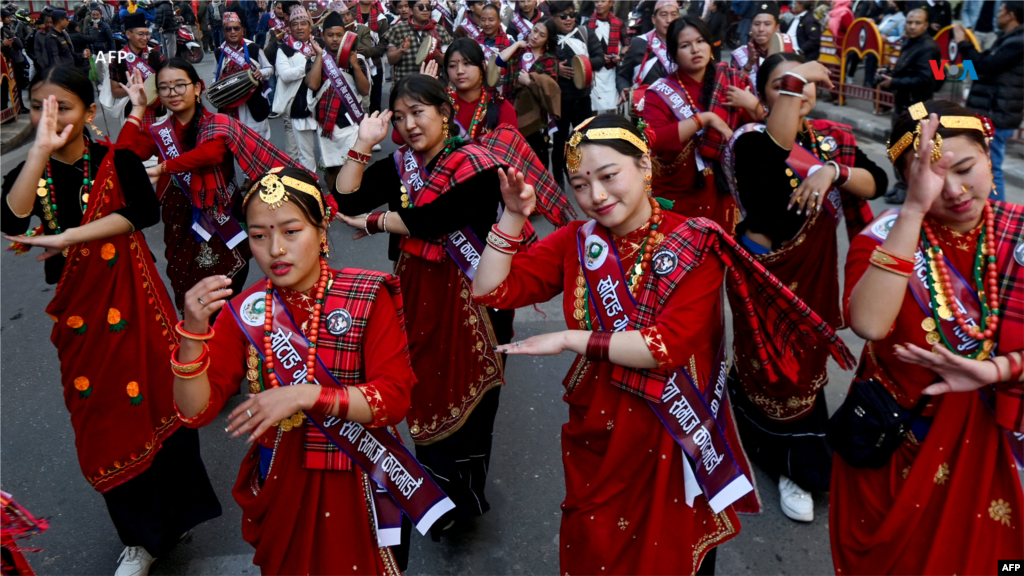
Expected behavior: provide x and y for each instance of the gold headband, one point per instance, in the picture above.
(919, 113)
(573, 155)
(274, 194)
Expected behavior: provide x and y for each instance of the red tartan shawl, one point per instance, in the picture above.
(371, 18)
(856, 210)
(353, 290)
(774, 315)
(501, 40)
(114, 333)
(615, 35)
(454, 169)
(711, 145)
(255, 156)
(512, 150)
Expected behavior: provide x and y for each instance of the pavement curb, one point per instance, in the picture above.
(1013, 172)
(16, 135)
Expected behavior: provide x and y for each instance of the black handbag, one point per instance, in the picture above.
(869, 426)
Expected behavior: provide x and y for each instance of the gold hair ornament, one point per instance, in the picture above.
(574, 155)
(919, 113)
(274, 194)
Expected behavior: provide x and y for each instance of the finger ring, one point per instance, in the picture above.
(249, 413)
(815, 193)
(201, 303)
(519, 344)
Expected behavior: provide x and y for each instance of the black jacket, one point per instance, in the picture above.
(868, 9)
(808, 35)
(59, 51)
(718, 25)
(164, 18)
(999, 91)
(101, 37)
(595, 50)
(912, 78)
(634, 56)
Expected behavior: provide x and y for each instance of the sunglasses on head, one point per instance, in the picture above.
(567, 15)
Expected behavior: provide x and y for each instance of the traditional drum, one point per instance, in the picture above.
(582, 73)
(780, 43)
(231, 90)
(345, 50)
(428, 49)
(150, 85)
(493, 71)
(633, 105)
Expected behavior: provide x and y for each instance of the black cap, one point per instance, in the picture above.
(136, 20)
(333, 19)
(5, 14)
(766, 7)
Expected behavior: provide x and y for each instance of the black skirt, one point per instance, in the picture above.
(173, 495)
(796, 449)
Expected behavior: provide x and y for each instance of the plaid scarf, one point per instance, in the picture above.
(711, 145)
(509, 146)
(856, 210)
(428, 27)
(371, 18)
(255, 157)
(775, 316)
(616, 38)
(354, 290)
(546, 64)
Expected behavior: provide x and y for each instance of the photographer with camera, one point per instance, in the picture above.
(911, 80)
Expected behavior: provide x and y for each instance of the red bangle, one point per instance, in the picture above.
(373, 223)
(328, 396)
(886, 261)
(844, 175)
(189, 366)
(999, 373)
(136, 118)
(700, 123)
(180, 329)
(506, 237)
(1016, 368)
(792, 85)
(359, 156)
(598, 346)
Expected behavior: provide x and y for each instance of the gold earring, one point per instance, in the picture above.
(647, 184)
(325, 249)
(95, 129)
(995, 191)
(444, 130)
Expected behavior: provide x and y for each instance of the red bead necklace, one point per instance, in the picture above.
(268, 326)
(478, 114)
(990, 296)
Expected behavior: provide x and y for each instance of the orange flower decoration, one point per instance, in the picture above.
(83, 386)
(133, 393)
(77, 324)
(109, 254)
(117, 323)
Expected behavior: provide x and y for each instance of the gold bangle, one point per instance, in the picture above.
(890, 270)
(196, 375)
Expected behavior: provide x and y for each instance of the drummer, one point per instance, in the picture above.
(526, 15)
(612, 33)
(572, 41)
(468, 23)
(235, 55)
(764, 25)
(404, 40)
(647, 59)
(136, 55)
(336, 117)
(370, 13)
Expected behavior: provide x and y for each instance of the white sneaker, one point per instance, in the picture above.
(797, 503)
(135, 561)
(376, 148)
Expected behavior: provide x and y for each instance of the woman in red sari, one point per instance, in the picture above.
(306, 509)
(782, 174)
(195, 178)
(649, 344)
(949, 499)
(693, 113)
(113, 321)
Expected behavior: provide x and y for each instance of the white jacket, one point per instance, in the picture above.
(290, 72)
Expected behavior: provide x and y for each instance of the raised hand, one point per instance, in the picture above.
(374, 128)
(926, 179)
(519, 197)
(136, 90)
(958, 374)
(47, 137)
(202, 300)
(814, 72)
(429, 68)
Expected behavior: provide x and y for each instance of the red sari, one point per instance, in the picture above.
(114, 332)
(951, 502)
(679, 179)
(625, 509)
(303, 520)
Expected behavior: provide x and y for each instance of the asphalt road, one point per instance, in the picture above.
(518, 536)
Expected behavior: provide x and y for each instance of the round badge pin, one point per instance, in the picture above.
(1018, 253)
(339, 322)
(254, 309)
(665, 262)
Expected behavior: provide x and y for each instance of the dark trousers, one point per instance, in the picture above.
(573, 113)
(377, 89)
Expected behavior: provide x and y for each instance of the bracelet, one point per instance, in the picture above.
(190, 367)
(836, 165)
(1016, 368)
(136, 118)
(358, 156)
(329, 395)
(500, 244)
(194, 373)
(999, 372)
(844, 174)
(895, 255)
(372, 225)
(514, 239)
(880, 259)
(792, 85)
(700, 123)
(180, 329)
(384, 222)
(598, 346)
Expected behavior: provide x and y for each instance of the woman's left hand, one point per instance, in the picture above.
(811, 193)
(740, 98)
(154, 173)
(540, 345)
(358, 222)
(261, 411)
(958, 374)
(429, 68)
(53, 243)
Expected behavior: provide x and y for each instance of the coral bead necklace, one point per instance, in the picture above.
(47, 191)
